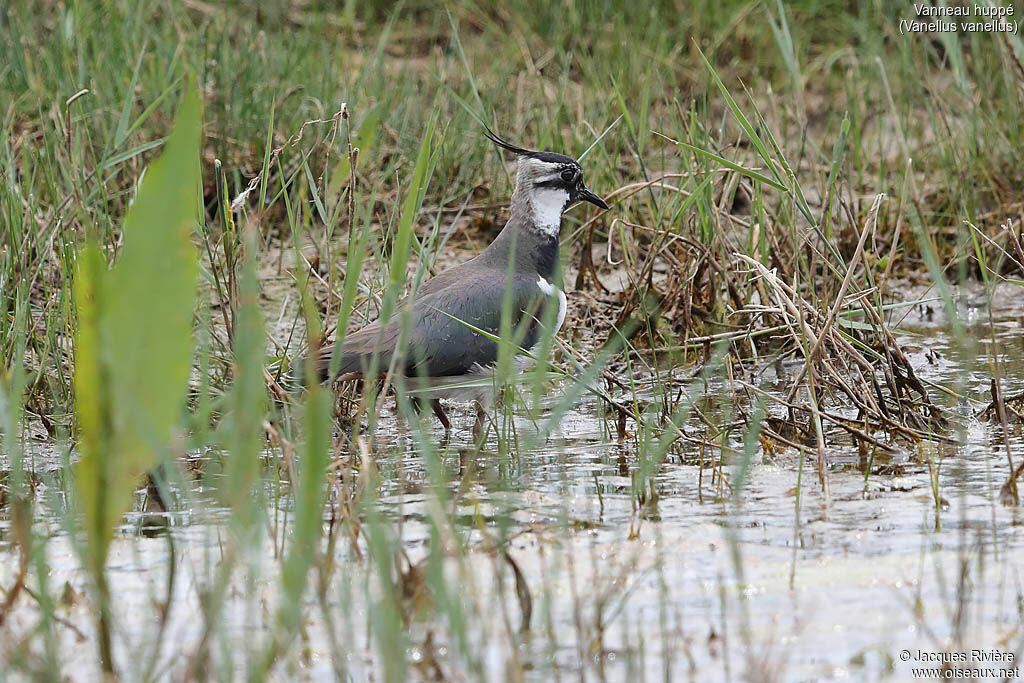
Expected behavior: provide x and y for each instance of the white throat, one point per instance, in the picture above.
(547, 204)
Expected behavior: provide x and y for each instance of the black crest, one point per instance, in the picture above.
(548, 157)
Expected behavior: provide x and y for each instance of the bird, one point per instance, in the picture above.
(442, 349)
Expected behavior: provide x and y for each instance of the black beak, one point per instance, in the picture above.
(587, 196)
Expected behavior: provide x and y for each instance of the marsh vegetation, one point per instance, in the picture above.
(778, 437)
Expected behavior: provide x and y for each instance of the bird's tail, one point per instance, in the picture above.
(298, 378)
(350, 364)
(355, 361)
(323, 363)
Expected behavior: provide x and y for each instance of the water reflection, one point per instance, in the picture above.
(678, 578)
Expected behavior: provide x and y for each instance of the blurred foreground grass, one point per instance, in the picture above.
(745, 210)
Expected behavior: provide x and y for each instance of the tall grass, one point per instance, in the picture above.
(186, 220)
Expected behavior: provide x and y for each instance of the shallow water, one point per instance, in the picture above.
(704, 584)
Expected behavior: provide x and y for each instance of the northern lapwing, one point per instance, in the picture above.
(443, 350)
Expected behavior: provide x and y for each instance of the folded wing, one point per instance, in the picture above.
(441, 318)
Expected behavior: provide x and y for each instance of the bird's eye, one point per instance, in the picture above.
(568, 175)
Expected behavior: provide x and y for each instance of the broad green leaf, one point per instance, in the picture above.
(147, 310)
(134, 342)
(92, 407)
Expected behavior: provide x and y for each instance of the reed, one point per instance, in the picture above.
(185, 223)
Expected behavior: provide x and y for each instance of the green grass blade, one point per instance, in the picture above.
(741, 118)
(135, 343)
(731, 165)
(122, 124)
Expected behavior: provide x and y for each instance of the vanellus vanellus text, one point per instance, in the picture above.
(443, 350)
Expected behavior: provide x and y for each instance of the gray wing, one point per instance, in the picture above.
(440, 339)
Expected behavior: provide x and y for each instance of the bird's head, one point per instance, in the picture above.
(549, 181)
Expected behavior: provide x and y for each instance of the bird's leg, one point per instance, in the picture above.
(480, 422)
(153, 522)
(435, 405)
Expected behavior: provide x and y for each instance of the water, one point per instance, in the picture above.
(700, 584)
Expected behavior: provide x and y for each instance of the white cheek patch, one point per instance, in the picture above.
(548, 204)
